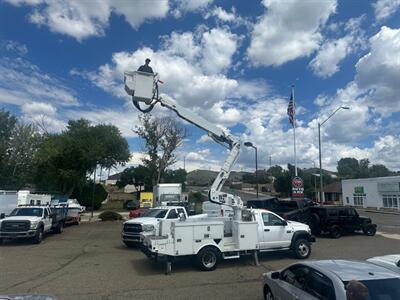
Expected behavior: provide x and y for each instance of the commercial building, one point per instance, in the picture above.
(378, 192)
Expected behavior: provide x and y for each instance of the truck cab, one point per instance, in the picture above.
(135, 230)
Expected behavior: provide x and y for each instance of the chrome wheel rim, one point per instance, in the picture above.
(209, 260)
(303, 249)
(268, 295)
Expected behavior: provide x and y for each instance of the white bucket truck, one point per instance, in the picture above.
(212, 239)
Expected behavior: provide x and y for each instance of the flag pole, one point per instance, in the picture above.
(294, 133)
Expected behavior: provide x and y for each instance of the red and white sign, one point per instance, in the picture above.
(297, 187)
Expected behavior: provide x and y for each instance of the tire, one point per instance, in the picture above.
(1, 242)
(335, 231)
(369, 230)
(267, 293)
(302, 248)
(60, 228)
(37, 239)
(207, 259)
(130, 244)
(315, 224)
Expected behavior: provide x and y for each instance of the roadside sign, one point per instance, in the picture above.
(297, 187)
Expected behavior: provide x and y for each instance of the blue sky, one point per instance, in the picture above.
(230, 61)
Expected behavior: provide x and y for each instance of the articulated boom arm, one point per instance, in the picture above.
(219, 135)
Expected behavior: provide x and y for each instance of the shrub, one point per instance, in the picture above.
(109, 215)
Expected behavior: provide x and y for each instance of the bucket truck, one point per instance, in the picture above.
(248, 231)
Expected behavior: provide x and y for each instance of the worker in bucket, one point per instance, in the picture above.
(146, 68)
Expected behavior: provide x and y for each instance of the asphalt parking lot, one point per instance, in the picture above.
(90, 262)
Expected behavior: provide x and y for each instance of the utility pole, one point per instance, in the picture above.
(270, 162)
(94, 186)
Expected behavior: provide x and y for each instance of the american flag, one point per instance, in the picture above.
(291, 110)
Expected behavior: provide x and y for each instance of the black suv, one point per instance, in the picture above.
(337, 220)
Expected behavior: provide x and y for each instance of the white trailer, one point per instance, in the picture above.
(27, 198)
(167, 194)
(8, 201)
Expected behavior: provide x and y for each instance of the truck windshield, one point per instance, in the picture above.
(156, 213)
(27, 211)
(170, 197)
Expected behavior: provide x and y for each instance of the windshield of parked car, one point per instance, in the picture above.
(388, 289)
(27, 211)
(156, 213)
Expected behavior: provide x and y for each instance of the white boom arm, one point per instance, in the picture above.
(132, 82)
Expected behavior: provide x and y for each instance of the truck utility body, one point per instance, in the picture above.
(208, 240)
(167, 194)
(32, 222)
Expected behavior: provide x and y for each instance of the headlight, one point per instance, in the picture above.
(34, 224)
(148, 227)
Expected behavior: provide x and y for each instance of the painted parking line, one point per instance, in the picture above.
(393, 236)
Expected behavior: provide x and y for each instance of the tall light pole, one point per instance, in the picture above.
(322, 195)
(248, 144)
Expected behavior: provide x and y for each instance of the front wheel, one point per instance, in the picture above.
(59, 228)
(369, 230)
(302, 248)
(267, 293)
(335, 231)
(38, 236)
(207, 259)
(1, 242)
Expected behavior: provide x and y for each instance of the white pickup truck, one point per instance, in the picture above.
(207, 240)
(134, 230)
(32, 222)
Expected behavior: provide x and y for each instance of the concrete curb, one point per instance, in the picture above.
(381, 212)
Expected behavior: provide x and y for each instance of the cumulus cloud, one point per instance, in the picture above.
(16, 47)
(82, 19)
(385, 8)
(378, 72)
(288, 30)
(333, 51)
(184, 6)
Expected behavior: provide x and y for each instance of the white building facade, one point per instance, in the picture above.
(378, 192)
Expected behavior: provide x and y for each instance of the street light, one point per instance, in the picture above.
(322, 195)
(248, 144)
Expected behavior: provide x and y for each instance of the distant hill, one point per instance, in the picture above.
(206, 177)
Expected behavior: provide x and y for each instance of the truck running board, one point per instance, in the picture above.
(230, 255)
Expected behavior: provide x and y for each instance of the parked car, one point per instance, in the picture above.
(132, 204)
(327, 279)
(392, 262)
(335, 220)
(138, 212)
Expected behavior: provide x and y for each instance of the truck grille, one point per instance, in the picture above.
(15, 226)
(134, 228)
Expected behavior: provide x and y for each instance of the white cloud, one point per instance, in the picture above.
(385, 8)
(183, 6)
(82, 19)
(288, 30)
(333, 51)
(218, 47)
(38, 108)
(378, 72)
(204, 139)
(222, 14)
(16, 47)
(22, 81)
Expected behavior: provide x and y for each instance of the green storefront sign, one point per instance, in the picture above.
(359, 190)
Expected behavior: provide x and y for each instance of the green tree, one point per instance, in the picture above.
(84, 195)
(65, 160)
(348, 167)
(138, 176)
(19, 143)
(379, 171)
(275, 171)
(176, 176)
(363, 168)
(162, 136)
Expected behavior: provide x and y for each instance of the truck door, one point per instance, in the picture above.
(276, 233)
(47, 220)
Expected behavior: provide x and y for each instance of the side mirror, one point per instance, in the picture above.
(398, 264)
(275, 275)
(2, 215)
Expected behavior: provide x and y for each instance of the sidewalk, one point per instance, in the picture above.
(385, 212)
